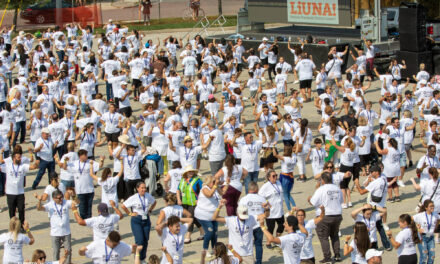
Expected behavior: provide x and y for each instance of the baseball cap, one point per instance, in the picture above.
(242, 212)
(45, 130)
(210, 96)
(265, 39)
(423, 82)
(103, 209)
(124, 83)
(373, 253)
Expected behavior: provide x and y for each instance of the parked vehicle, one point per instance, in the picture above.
(44, 12)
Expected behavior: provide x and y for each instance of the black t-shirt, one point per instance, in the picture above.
(351, 121)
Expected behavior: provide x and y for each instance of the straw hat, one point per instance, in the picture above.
(124, 139)
(189, 168)
(187, 138)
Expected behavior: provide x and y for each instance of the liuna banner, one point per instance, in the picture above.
(313, 11)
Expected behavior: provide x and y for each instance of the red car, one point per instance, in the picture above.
(44, 12)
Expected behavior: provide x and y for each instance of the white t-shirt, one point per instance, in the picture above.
(174, 244)
(216, 149)
(14, 176)
(427, 189)
(59, 217)
(249, 155)
(82, 178)
(330, 196)
(305, 69)
(427, 222)
(274, 195)
(111, 122)
(307, 249)
(109, 190)
(140, 204)
(254, 203)
(370, 223)
(356, 256)
(236, 174)
(102, 225)
(407, 246)
(13, 250)
(378, 188)
(240, 234)
(100, 253)
(291, 244)
(188, 156)
(131, 166)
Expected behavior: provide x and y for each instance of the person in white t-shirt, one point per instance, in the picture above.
(405, 242)
(44, 147)
(292, 243)
(215, 144)
(426, 221)
(102, 224)
(305, 68)
(59, 223)
(359, 245)
(172, 234)
(13, 241)
(109, 250)
(220, 251)
(241, 230)
(141, 205)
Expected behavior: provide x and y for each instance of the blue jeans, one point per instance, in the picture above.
(427, 250)
(141, 231)
(252, 176)
(9, 77)
(109, 90)
(60, 54)
(287, 184)
(210, 228)
(383, 235)
(258, 243)
(20, 127)
(85, 204)
(50, 166)
(226, 95)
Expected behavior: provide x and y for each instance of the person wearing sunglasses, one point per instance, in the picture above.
(39, 257)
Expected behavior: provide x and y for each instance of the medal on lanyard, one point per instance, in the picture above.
(59, 212)
(196, 134)
(367, 223)
(266, 120)
(319, 155)
(144, 206)
(187, 154)
(369, 115)
(241, 231)
(69, 124)
(107, 257)
(176, 239)
(15, 172)
(130, 162)
(79, 167)
(89, 138)
(111, 118)
(47, 144)
(429, 162)
(397, 132)
(428, 223)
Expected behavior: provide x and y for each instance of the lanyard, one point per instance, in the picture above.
(69, 124)
(143, 202)
(130, 162)
(319, 155)
(39, 123)
(187, 154)
(15, 171)
(89, 138)
(429, 223)
(276, 188)
(397, 131)
(429, 162)
(250, 149)
(239, 227)
(47, 144)
(59, 212)
(196, 133)
(111, 118)
(79, 167)
(369, 115)
(107, 257)
(266, 119)
(177, 241)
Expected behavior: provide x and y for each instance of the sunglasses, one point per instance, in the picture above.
(42, 258)
(329, 167)
(274, 175)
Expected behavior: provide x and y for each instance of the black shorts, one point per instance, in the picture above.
(356, 170)
(137, 83)
(264, 61)
(344, 183)
(305, 84)
(112, 137)
(365, 159)
(239, 67)
(126, 111)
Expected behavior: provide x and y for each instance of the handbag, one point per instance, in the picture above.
(377, 199)
(417, 209)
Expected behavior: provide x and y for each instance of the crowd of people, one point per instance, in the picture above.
(71, 91)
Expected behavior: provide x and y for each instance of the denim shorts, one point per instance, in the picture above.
(403, 159)
(68, 184)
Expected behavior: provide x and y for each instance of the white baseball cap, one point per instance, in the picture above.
(373, 253)
(423, 82)
(242, 212)
(110, 20)
(45, 130)
(265, 39)
(124, 83)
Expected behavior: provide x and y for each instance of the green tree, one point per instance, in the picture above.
(16, 5)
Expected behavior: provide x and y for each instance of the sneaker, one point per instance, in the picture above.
(391, 200)
(410, 163)
(338, 258)
(400, 183)
(263, 79)
(270, 247)
(389, 249)
(339, 234)
(385, 227)
(397, 199)
(326, 261)
(344, 206)
(350, 204)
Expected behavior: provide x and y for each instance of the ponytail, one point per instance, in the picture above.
(303, 126)
(412, 225)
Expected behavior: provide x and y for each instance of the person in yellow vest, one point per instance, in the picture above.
(187, 196)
